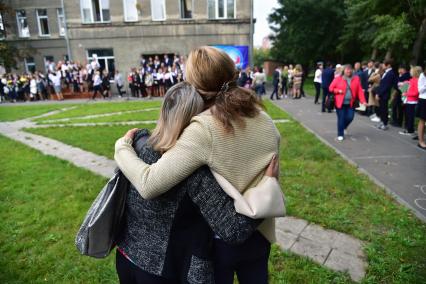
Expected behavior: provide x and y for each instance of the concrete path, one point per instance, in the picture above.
(391, 160)
(335, 250)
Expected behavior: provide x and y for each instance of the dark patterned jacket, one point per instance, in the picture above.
(171, 236)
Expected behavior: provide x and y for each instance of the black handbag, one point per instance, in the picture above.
(101, 227)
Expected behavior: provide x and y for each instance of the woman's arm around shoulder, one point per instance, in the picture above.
(192, 150)
(218, 208)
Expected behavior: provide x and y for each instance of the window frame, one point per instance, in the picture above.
(225, 10)
(61, 18)
(3, 28)
(192, 11)
(125, 12)
(28, 64)
(102, 21)
(164, 11)
(19, 25)
(39, 17)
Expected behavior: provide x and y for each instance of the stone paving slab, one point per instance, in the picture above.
(335, 250)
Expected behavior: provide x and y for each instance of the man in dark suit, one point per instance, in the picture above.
(396, 103)
(389, 80)
(275, 83)
(327, 77)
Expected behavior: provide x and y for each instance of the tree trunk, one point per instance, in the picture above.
(374, 54)
(418, 43)
(388, 54)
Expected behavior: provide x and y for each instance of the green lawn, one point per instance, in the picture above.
(103, 107)
(320, 187)
(42, 203)
(16, 112)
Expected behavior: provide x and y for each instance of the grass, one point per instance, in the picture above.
(14, 112)
(42, 203)
(101, 108)
(322, 188)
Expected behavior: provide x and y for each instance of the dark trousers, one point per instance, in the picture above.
(275, 92)
(317, 91)
(120, 91)
(128, 273)
(345, 115)
(384, 109)
(284, 83)
(397, 111)
(249, 260)
(410, 116)
(325, 95)
(97, 89)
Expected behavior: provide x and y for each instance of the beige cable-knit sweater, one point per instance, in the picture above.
(240, 157)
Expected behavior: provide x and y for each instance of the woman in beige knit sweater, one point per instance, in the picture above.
(234, 137)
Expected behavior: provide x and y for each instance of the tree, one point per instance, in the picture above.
(306, 30)
(260, 55)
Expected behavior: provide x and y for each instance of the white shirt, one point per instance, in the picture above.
(317, 77)
(97, 80)
(56, 79)
(422, 86)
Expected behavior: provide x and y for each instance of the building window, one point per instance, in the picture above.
(158, 10)
(61, 21)
(105, 58)
(30, 66)
(95, 11)
(221, 9)
(21, 19)
(43, 22)
(49, 63)
(186, 7)
(130, 10)
(2, 29)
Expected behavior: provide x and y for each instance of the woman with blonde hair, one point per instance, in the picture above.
(410, 99)
(234, 137)
(297, 81)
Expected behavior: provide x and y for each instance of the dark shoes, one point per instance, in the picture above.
(421, 147)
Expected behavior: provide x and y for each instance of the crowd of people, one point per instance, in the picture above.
(287, 81)
(153, 77)
(373, 88)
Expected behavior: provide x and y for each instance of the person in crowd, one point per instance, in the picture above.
(149, 82)
(119, 83)
(410, 99)
(161, 83)
(374, 83)
(284, 81)
(388, 82)
(290, 80)
(338, 71)
(302, 84)
(275, 81)
(318, 82)
(421, 109)
(55, 78)
(258, 84)
(396, 98)
(346, 90)
(106, 85)
(327, 77)
(222, 138)
(242, 78)
(42, 86)
(97, 85)
(297, 81)
(368, 71)
(359, 70)
(33, 88)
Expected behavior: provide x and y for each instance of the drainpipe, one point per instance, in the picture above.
(66, 32)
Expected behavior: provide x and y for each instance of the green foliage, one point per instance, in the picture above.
(348, 30)
(260, 55)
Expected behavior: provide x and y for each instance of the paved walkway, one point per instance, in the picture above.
(335, 250)
(391, 160)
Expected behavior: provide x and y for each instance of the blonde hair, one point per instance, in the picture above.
(415, 71)
(213, 73)
(180, 104)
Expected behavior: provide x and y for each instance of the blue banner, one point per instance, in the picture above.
(238, 53)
